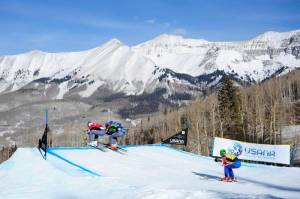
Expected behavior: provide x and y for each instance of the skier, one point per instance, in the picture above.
(114, 130)
(95, 129)
(229, 161)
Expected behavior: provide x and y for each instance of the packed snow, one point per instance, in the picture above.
(147, 172)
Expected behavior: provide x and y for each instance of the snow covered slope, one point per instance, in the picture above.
(144, 172)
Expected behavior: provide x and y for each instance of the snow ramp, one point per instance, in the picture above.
(147, 172)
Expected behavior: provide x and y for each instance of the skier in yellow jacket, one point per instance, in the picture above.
(229, 161)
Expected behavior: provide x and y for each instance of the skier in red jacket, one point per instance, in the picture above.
(95, 129)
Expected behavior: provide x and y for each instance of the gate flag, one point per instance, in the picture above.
(43, 143)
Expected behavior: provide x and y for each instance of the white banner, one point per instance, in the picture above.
(256, 152)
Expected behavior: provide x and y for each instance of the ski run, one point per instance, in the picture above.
(140, 172)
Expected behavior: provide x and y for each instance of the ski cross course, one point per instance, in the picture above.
(146, 171)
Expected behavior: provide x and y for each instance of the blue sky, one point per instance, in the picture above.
(74, 25)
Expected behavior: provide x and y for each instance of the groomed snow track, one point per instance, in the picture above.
(147, 171)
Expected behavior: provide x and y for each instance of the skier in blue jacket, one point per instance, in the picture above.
(114, 130)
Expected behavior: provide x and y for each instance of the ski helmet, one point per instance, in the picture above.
(222, 152)
(89, 123)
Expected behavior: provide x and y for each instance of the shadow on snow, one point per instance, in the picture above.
(265, 184)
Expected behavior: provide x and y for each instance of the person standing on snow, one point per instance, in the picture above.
(114, 130)
(95, 129)
(229, 161)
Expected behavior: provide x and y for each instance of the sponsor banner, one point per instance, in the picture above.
(256, 152)
(178, 139)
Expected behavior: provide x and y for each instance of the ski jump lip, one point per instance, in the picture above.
(245, 164)
(52, 149)
(71, 148)
(51, 152)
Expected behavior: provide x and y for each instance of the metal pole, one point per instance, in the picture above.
(46, 131)
(46, 116)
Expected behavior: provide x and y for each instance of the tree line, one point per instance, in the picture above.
(256, 114)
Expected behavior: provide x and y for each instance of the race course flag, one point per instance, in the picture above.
(43, 143)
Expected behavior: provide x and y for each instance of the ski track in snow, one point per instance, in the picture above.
(146, 172)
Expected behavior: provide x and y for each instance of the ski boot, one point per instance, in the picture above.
(93, 143)
(233, 179)
(113, 146)
(226, 179)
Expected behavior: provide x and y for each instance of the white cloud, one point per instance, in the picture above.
(104, 23)
(179, 31)
(167, 24)
(151, 21)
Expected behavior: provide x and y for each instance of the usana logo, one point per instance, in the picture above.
(237, 149)
(260, 152)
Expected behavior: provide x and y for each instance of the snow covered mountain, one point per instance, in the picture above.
(112, 64)
(144, 172)
(171, 62)
(255, 59)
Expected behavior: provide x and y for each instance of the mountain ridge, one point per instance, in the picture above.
(138, 69)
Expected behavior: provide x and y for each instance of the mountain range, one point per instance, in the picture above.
(170, 62)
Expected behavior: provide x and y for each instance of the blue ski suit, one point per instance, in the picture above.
(114, 130)
(230, 162)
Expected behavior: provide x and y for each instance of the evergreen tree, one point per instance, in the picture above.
(230, 110)
(297, 113)
(184, 122)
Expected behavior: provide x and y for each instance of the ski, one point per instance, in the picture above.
(99, 146)
(118, 148)
(121, 149)
(117, 151)
(231, 180)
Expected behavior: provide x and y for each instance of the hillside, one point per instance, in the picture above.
(144, 172)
